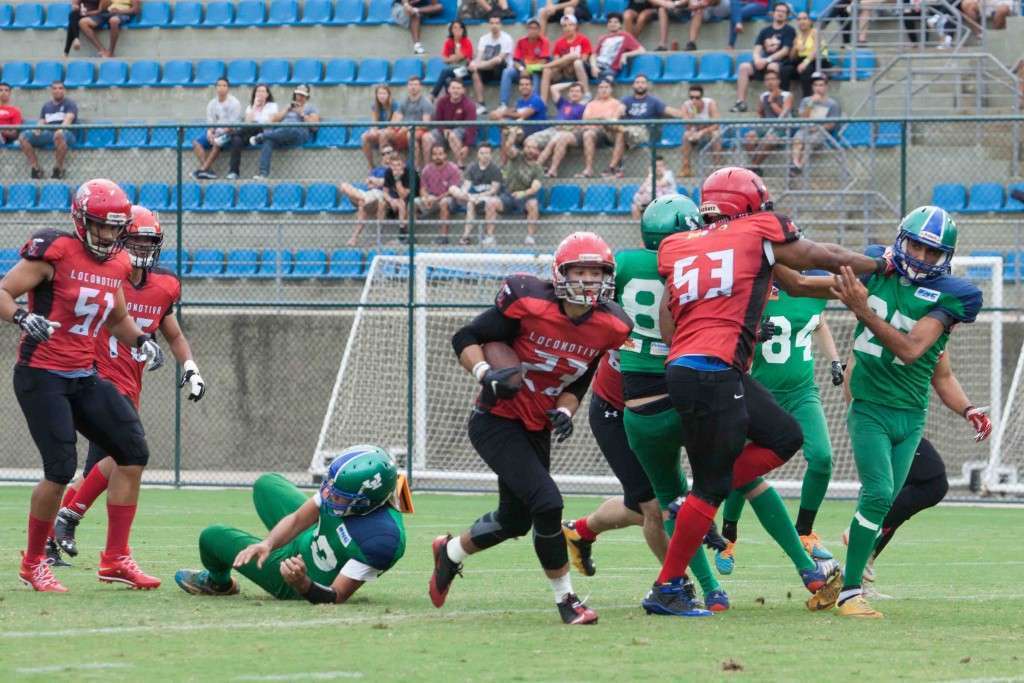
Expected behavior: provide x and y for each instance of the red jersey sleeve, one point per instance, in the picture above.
(45, 245)
(775, 227)
(517, 297)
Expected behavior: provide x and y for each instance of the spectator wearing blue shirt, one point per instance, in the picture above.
(555, 141)
(636, 107)
(771, 49)
(59, 111)
(300, 111)
(529, 107)
(370, 199)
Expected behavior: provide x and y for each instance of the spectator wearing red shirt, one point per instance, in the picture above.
(457, 53)
(9, 116)
(531, 53)
(570, 57)
(436, 181)
(613, 50)
(454, 106)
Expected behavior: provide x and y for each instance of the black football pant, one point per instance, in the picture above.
(925, 487)
(610, 434)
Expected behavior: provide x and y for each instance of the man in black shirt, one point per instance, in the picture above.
(770, 49)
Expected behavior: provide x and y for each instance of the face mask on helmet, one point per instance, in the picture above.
(143, 250)
(358, 481)
(585, 291)
(105, 238)
(915, 269)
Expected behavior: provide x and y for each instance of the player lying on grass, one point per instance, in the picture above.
(322, 548)
(150, 296)
(904, 320)
(74, 285)
(559, 330)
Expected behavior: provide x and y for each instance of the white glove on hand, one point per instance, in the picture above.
(150, 352)
(38, 328)
(191, 376)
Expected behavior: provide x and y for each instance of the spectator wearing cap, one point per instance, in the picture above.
(113, 13)
(555, 141)
(58, 112)
(493, 56)
(803, 56)
(639, 106)
(453, 107)
(819, 107)
(370, 199)
(771, 48)
(221, 112)
(701, 115)
(437, 180)
(571, 53)
(531, 53)
(299, 111)
(613, 50)
(409, 14)
(9, 116)
(556, 9)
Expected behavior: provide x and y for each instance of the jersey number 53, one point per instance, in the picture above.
(707, 279)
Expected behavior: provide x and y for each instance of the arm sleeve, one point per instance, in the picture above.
(491, 325)
(357, 571)
(580, 386)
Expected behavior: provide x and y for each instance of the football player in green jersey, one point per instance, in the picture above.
(784, 364)
(321, 548)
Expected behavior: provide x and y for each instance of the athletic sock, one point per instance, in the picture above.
(702, 570)
(583, 529)
(69, 495)
(456, 553)
(774, 517)
(38, 531)
(729, 530)
(692, 522)
(91, 488)
(562, 586)
(732, 509)
(863, 532)
(754, 461)
(851, 592)
(119, 528)
(812, 491)
(805, 521)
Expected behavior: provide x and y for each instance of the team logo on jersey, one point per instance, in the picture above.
(659, 348)
(344, 536)
(36, 247)
(927, 294)
(630, 345)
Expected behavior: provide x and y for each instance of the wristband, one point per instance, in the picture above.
(966, 410)
(480, 369)
(563, 409)
(18, 316)
(881, 266)
(190, 366)
(320, 594)
(142, 339)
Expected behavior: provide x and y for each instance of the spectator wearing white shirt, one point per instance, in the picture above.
(261, 110)
(493, 56)
(700, 114)
(224, 109)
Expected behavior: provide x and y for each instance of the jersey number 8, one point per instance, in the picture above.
(777, 350)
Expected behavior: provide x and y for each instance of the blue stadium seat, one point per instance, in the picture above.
(272, 71)
(163, 138)
(344, 205)
(309, 263)
(888, 134)
(348, 12)
(243, 71)
(57, 16)
(20, 197)
(8, 257)
(345, 263)
(856, 134)
(679, 68)
(671, 135)
(316, 12)
(53, 197)
(79, 74)
(283, 13)
(645, 64)
(597, 13)
(192, 132)
(330, 136)
(131, 138)
(287, 197)
(207, 263)
(597, 199)
(405, 68)
(379, 12)
(445, 16)
(252, 197)
(187, 14)
(859, 134)
(218, 197)
(131, 191)
(249, 13)
(27, 15)
(372, 72)
(307, 71)
(191, 197)
(17, 74)
(176, 72)
(154, 14)
(716, 66)
(949, 196)
(319, 197)
(355, 135)
(818, 7)
(112, 72)
(219, 14)
(563, 199)
(6, 17)
(435, 65)
(984, 197)
(169, 261)
(46, 73)
(523, 10)
(99, 138)
(867, 62)
(275, 263)
(1013, 204)
(626, 193)
(741, 58)
(339, 71)
(207, 72)
(154, 196)
(242, 263)
(146, 72)
(615, 6)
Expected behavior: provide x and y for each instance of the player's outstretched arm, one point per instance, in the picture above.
(23, 277)
(283, 532)
(798, 284)
(953, 396)
(907, 346)
(128, 333)
(182, 352)
(804, 254)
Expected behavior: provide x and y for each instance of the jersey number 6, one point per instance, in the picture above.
(687, 280)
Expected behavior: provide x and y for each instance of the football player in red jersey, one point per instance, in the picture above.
(74, 286)
(150, 295)
(559, 330)
(717, 284)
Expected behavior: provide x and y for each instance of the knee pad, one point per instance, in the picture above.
(548, 541)
(492, 529)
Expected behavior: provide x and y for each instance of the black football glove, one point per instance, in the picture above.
(561, 424)
(838, 369)
(498, 384)
(766, 331)
(38, 328)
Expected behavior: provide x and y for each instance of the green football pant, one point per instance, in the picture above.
(274, 498)
(884, 440)
(657, 440)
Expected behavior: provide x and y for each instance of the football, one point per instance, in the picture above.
(499, 356)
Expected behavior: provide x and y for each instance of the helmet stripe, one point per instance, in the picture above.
(344, 459)
(934, 224)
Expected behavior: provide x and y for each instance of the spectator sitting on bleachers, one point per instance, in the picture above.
(370, 199)
(555, 141)
(113, 13)
(398, 183)
(638, 14)
(841, 11)
(638, 106)
(437, 179)
(604, 107)
(802, 57)
(679, 10)
(531, 53)
(571, 54)
(664, 185)
(742, 10)
(700, 114)
(415, 107)
(261, 110)
(409, 14)
(938, 19)
(382, 111)
(613, 50)
(299, 111)
(9, 116)
(556, 9)
(521, 185)
(774, 103)
(79, 9)
(481, 181)
(484, 9)
(818, 106)
(454, 106)
(223, 109)
(457, 53)
(493, 56)
(770, 49)
(529, 107)
(995, 11)
(59, 111)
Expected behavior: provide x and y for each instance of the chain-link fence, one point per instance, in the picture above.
(320, 297)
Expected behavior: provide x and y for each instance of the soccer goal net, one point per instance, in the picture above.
(421, 417)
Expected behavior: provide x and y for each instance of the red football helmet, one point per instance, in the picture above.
(143, 238)
(583, 249)
(100, 204)
(733, 191)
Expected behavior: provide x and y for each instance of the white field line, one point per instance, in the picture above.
(309, 676)
(60, 668)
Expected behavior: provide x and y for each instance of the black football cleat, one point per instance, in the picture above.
(64, 530)
(53, 556)
(714, 540)
(580, 551)
(445, 571)
(574, 611)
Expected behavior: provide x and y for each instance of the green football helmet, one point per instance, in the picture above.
(359, 480)
(666, 215)
(931, 227)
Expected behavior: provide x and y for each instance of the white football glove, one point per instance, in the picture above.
(38, 328)
(150, 352)
(191, 376)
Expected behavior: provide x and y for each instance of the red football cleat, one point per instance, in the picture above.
(39, 577)
(123, 569)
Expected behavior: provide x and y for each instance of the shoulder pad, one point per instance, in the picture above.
(519, 287)
(40, 247)
(969, 296)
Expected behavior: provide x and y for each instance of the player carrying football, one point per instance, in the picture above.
(322, 548)
(559, 330)
(150, 296)
(717, 283)
(74, 286)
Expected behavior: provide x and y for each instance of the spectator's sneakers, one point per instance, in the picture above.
(613, 172)
(418, 48)
(37, 173)
(232, 176)
(529, 241)
(58, 173)
(256, 140)
(203, 175)
(259, 177)
(488, 241)
(690, 46)
(739, 106)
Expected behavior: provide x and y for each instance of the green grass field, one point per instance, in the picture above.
(954, 574)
